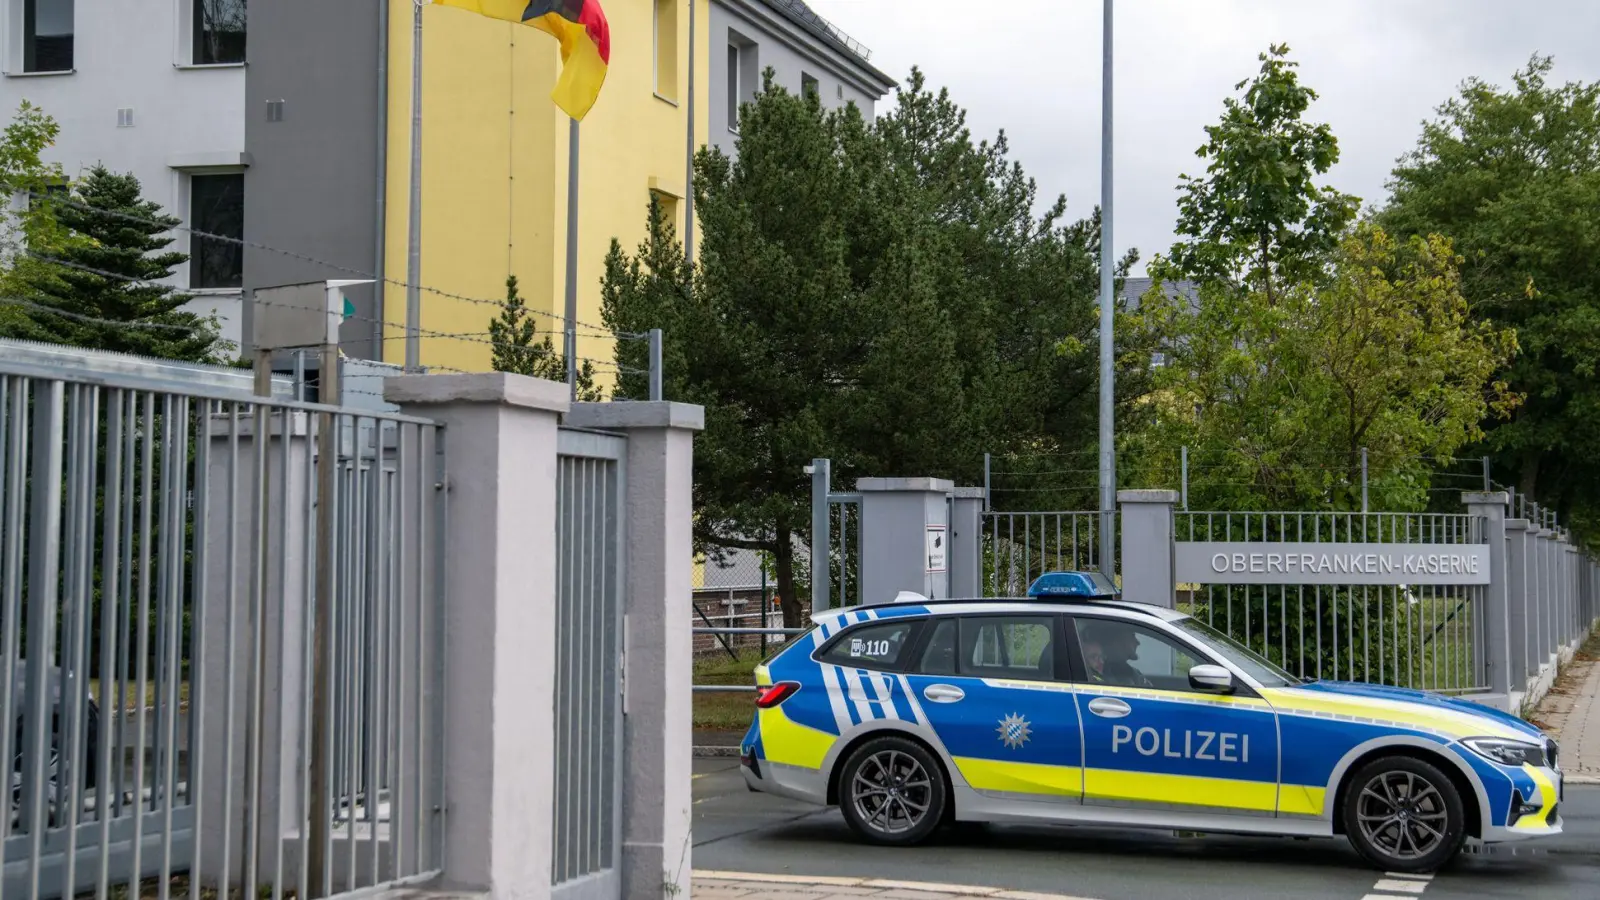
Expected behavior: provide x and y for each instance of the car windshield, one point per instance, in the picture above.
(1255, 665)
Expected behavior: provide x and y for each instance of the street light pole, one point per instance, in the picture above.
(1108, 455)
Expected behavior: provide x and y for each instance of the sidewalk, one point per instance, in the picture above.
(1570, 713)
(751, 885)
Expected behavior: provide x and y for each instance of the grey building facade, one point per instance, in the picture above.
(804, 51)
(314, 126)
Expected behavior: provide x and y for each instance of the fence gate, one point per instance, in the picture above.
(588, 706)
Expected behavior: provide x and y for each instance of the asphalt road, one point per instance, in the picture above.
(735, 830)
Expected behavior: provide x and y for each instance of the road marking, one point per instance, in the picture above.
(1396, 886)
(960, 890)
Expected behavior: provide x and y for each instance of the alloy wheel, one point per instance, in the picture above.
(1402, 814)
(891, 792)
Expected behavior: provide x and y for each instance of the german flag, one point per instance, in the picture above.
(580, 26)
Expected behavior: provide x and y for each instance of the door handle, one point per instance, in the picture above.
(1109, 707)
(943, 693)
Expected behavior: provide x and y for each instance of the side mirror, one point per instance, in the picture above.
(1213, 679)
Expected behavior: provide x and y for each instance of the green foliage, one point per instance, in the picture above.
(1257, 219)
(1277, 398)
(109, 228)
(23, 170)
(1513, 176)
(1311, 338)
(882, 294)
(519, 349)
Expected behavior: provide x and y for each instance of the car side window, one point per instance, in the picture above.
(939, 656)
(1007, 647)
(877, 646)
(1126, 654)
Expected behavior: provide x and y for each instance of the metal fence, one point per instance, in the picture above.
(172, 588)
(588, 714)
(1426, 636)
(735, 607)
(1020, 546)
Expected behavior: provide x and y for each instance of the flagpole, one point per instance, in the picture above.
(414, 208)
(688, 176)
(571, 343)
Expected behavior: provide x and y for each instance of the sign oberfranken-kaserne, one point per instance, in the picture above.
(1235, 562)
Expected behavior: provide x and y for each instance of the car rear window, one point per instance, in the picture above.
(879, 645)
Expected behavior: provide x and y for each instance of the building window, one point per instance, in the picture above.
(666, 49)
(219, 32)
(55, 190)
(733, 87)
(216, 206)
(668, 205)
(744, 75)
(47, 35)
(808, 86)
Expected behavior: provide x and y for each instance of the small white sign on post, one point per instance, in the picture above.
(938, 548)
(301, 315)
(1238, 562)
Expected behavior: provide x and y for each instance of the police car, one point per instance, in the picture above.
(1074, 706)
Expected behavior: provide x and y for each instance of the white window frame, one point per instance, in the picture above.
(183, 39)
(16, 36)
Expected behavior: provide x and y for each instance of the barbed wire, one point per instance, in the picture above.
(118, 276)
(212, 236)
(29, 304)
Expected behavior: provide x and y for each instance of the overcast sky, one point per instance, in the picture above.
(1379, 66)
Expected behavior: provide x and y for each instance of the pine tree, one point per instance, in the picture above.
(116, 232)
(517, 347)
(513, 334)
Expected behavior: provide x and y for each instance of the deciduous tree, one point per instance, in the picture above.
(1513, 176)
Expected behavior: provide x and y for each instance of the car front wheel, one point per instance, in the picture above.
(892, 792)
(1404, 815)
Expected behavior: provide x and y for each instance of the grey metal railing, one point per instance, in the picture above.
(586, 837)
(178, 698)
(1020, 546)
(1429, 637)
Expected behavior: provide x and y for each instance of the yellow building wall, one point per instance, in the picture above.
(494, 168)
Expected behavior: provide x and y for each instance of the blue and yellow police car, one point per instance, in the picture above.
(1072, 705)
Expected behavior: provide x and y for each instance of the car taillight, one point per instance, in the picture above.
(768, 697)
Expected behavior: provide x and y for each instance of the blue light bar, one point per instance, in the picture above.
(1084, 585)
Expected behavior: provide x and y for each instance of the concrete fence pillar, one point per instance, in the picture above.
(905, 537)
(966, 542)
(1518, 608)
(1148, 533)
(499, 558)
(1496, 666)
(657, 647)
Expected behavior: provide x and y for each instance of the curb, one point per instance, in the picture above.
(1580, 779)
(885, 884)
(714, 751)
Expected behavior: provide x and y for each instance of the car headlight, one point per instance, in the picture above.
(1506, 752)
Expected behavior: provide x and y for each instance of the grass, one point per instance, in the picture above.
(130, 695)
(725, 711)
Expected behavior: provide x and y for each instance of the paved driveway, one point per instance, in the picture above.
(738, 831)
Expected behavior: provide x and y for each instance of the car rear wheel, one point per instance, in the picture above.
(1404, 815)
(892, 791)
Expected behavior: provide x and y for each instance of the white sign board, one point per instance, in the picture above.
(300, 315)
(938, 548)
(1235, 562)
